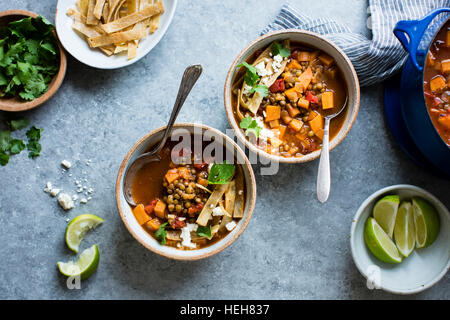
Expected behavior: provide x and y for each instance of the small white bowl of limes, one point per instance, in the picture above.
(400, 239)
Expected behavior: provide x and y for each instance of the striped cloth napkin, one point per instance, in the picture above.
(374, 59)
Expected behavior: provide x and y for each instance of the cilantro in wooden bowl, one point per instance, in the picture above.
(32, 62)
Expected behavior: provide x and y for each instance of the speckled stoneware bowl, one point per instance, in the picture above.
(423, 268)
(146, 239)
(15, 103)
(313, 40)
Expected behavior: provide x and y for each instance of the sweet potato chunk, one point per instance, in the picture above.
(273, 113)
(445, 121)
(274, 124)
(303, 56)
(291, 94)
(294, 65)
(303, 103)
(172, 175)
(317, 123)
(326, 59)
(160, 209)
(275, 142)
(153, 225)
(312, 115)
(140, 214)
(328, 100)
(447, 39)
(292, 111)
(295, 125)
(445, 66)
(437, 83)
(305, 79)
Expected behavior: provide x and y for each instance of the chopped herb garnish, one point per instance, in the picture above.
(251, 126)
(28, 58)
(278, 49)
(4, 158)
(204, 231)
(221, 173)
(16, 146)
(251, 76)
(261, 89)
(34, 133)
(33, 146)
(18, 124)
(5, 141)
(161, 233)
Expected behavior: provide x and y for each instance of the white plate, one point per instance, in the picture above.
(423, 268)
(79, 48)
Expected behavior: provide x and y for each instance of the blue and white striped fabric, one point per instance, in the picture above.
(375, 59)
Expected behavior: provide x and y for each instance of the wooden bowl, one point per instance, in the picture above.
(143, 237)
(311, 39)
(16, 103)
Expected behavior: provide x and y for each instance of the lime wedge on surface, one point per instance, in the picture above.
(405, 230)
(427, 222)
(385, 212)
(379, 243)
(78, 227)
(85, 266)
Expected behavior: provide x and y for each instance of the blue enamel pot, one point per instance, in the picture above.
(414, 110)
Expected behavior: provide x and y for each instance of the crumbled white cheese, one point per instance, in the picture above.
(276, 65)
(65, 201)
(66, 164)
(90, 190)
(186, 236)
(192, 226)
(54, 192)
(217, 211)
(74, 197)
(246, 90)
(261, 69)
(240, 192)
(265, 133)
(48, 187)
(231, 225)
(83, 200)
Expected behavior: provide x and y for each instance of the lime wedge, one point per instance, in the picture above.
(427, 222)
(385, 211)
(78, 227)
(379, 243)
(405, 230)
(85, 266)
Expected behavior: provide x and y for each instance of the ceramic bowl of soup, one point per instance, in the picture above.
(279, 89)
(425, 87)
(196, 200)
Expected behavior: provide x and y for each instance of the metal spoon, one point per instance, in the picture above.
(323, 177)
(190, 77)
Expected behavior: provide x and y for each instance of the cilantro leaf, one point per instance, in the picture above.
(161, 233)
(204, 231)
(251, 126)
(251, 76)
(4, 158)
(16, 146)
(18, 124)
(278, 49)
(34, 133)
(261, 89)
(5, 141)
(221, 173)
(34, 149)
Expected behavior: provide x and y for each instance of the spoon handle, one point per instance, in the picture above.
(190, 77)
(323, 177)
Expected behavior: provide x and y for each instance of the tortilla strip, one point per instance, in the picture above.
(114, 7)
(120, 48)
(132, 50)
(239, 201)
(230, 196)
(98, 9)
(83, 5)
(133, 18)
(154, 23)
(90, 18)
(118, 37)
(213, 199)
(105, 12)
(85, 30)
(173, 235)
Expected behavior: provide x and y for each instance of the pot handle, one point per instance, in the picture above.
(414, 29)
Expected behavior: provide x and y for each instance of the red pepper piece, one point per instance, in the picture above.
(277, 86)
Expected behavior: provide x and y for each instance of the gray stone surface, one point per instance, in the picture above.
(293, 248)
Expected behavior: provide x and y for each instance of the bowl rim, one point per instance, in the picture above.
(54, 85)
(126, 63)
(252, 188)
(229, 108)
(357, 217)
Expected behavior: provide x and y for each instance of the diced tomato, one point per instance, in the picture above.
(437, 101)
(200, 166)
(312, 145)
(149, 208)
(278, 86)
(429, 95)
(178, 224)
(194, 209)
(311, 97)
